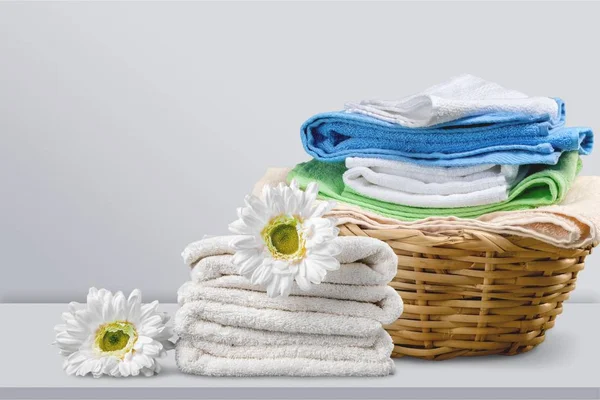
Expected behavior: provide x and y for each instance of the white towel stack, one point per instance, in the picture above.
(414, 185)
(230, 327)
(438, 187)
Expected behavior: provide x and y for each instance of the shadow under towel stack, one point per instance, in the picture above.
(230, 327)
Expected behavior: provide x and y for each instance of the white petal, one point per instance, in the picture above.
(124, 369)
(239, 227)
(303, 283)
(256, 204)
(321, 209)
(134, 306)
(148, 309)
(107, 309)
(243, 256)
(119, 304)
(249, 266)
(246, 242)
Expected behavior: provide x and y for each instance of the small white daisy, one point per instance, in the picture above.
(285, 239)
(113, 335)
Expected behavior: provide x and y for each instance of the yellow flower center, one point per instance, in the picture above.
(283, 239)
(115, 338)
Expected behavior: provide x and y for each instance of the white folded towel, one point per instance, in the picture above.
(438, 187)
(230, 327)
(421, 179)
(190, 325)
(370, 294)
(277, 320)
(460, 97)
(210, 359)
(379, 351)
(365, 261)
(386, 310)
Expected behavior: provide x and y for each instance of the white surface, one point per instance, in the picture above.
(130, 129)
(564, 366)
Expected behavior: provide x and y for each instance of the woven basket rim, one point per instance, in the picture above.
(448, 237)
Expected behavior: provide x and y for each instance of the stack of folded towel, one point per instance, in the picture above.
(464, 148)
(230, 327)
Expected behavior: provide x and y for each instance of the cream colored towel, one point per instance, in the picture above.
(379, 352)
(278, 320)
(386, 309)
(365, 261)
(199, 358)
(189, 324)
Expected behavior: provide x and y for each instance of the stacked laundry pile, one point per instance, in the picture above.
(230, 327)
(464, 148)
(574, 222)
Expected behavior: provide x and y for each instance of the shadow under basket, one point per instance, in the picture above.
(474, 293)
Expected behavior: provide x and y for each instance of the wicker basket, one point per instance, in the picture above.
(471, 293)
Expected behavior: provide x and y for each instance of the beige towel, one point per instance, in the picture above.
(573, 223)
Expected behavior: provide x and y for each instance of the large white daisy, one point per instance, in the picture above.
(285, 239)
(113, 335)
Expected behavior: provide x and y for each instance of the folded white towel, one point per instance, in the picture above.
(379, 351)
(190, 325)
(460, 97)
(194, 361)
(370, 294)
(434, 180)
(386, 310)
(365, 261)
(277, 320)
(439, 187)
(210, 359)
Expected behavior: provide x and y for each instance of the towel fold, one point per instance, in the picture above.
(365, 261)
(440, 187)
(191, 325)
(541, 187)
(280, 321)
(458, 98)
(572, 223)
(229, 327)
(321, 361)
(386, 310)
(370, 293)
(378, 352)
(335, 136)
(446, 180)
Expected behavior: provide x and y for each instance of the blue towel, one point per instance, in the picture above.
(498, 138)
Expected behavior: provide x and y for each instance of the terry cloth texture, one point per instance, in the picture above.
(572, 223)
(316, 361)
(229, 327)
(366, 261)
(458, 98)
(542, 187)
(487, 139)
(440, 187)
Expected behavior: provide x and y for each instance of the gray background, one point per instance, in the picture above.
(131, 129)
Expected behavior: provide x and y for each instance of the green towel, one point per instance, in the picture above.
(545, 185)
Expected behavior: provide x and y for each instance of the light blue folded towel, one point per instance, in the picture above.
(497, 138)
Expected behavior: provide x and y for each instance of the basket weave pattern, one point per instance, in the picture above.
(470, 293)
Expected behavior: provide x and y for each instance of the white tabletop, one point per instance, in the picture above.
(566, 365)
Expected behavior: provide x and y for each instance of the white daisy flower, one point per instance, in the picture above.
(113, 335)
(285, 239)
